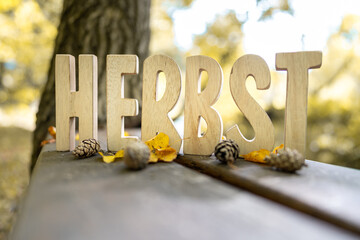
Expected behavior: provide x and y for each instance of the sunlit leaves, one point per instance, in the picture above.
(222, 40)
(271, 9)
(26, 41)
(8, 5)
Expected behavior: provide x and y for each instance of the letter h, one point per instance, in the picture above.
(71, 103)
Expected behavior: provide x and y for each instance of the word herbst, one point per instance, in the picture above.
(71, 103)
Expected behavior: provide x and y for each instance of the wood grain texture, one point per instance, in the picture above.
(255, 66)
(71, 103)
(98, 27)
(325, 191)
(88, 199)
(198, 104)
(117, 106)
(297, 65)
(155, 114)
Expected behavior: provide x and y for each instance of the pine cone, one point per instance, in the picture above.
(227, 151)
(136, 155)
(87, 148)
(288, 160)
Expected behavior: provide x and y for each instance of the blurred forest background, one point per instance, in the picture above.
(28, 29)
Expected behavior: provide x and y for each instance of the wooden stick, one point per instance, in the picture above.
(71, 103)
(198, 104)
(117, 106)
(297, 65)
(155, 116)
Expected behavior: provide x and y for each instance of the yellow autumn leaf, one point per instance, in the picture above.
(52, 131)
(153, 157)
(166, 154)
(111, 158)
(159, 141)
(278, 148)
(160, 149)
(119, 154)
(47, 141)
(107, 159)
(257, 156)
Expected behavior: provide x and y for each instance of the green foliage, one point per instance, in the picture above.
(333, 133)
(26, 45)
(270, 9)
(222, 40)
(334, 103)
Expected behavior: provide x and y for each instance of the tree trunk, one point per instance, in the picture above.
(98, 27)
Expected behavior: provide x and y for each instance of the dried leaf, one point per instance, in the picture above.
(111, 158)
(52, 131)
(47, 141)
(159, 141)
(167, 154)
(107, 159)
(278, 148)
(153, 157)
(257, 156)
(119, 154)
(160, 149)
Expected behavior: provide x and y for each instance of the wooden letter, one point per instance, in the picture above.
(198, 104)
(155, 116)
(117, 106)
(71, 103)
(255, 66)
(297, 65)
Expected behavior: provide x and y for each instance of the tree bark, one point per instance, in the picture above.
(98, 27)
